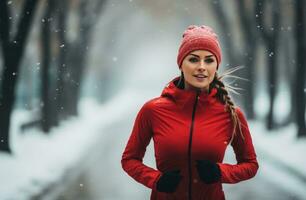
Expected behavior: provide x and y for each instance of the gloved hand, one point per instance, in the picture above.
(209, 171)
(169, 181)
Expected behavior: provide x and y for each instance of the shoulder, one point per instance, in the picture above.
(240, 114)
(157, 102)
(150, 105)
(238, 110)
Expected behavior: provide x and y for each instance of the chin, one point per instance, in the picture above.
(200, 86)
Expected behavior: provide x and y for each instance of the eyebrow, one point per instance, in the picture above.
(199, 56)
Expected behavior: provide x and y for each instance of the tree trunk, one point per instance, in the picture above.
(272, 84)
(12, 53)
(270, 35)
(300, 71)
(62, 62)
(46, 54)
(78, 53)
(249, 35)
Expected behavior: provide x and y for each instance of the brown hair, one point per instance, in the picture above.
(224, 97)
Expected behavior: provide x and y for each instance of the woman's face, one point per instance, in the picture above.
(199, 68)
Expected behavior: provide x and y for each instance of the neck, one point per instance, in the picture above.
(192, 88)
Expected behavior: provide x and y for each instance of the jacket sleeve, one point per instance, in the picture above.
(247, 164)
(135, 149)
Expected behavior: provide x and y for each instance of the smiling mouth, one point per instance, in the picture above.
(200, 76)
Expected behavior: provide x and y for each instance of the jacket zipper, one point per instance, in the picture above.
(189, 148)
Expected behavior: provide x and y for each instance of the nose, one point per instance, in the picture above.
(202, 66)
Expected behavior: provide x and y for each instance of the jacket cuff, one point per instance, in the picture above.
(154, 186)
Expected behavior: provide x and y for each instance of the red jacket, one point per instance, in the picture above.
(178, 144)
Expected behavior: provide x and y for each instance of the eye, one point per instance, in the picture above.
(193, 59)
(209, 60)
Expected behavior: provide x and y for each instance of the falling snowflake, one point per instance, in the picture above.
(62, 45)
(115, 59)
(271, 54)
(9, 2)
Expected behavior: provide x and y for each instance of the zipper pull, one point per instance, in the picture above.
(198, 94)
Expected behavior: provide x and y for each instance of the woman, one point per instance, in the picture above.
(191, 124)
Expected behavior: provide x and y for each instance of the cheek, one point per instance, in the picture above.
(211, 76)
(187, 70)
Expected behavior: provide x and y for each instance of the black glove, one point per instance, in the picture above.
(169, 181)
(209, 171)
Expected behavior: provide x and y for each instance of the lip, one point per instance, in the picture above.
(200, 76)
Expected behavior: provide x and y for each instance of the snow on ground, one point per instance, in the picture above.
(281, 144)
(281, 156)
(41, 159)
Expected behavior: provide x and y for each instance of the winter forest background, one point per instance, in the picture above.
(74, 73)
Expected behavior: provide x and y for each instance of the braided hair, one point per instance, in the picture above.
(223, 96)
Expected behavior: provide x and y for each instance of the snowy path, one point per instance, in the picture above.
(105, 179)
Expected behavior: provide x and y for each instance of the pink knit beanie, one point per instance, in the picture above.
(199, 38)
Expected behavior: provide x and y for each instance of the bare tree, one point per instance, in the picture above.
(46, 114)
(300, 67)
(89, 12)
(12, 51)
(270, 34)
(59, 96)
(60, 90)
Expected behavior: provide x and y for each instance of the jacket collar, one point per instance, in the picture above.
(183, 97)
